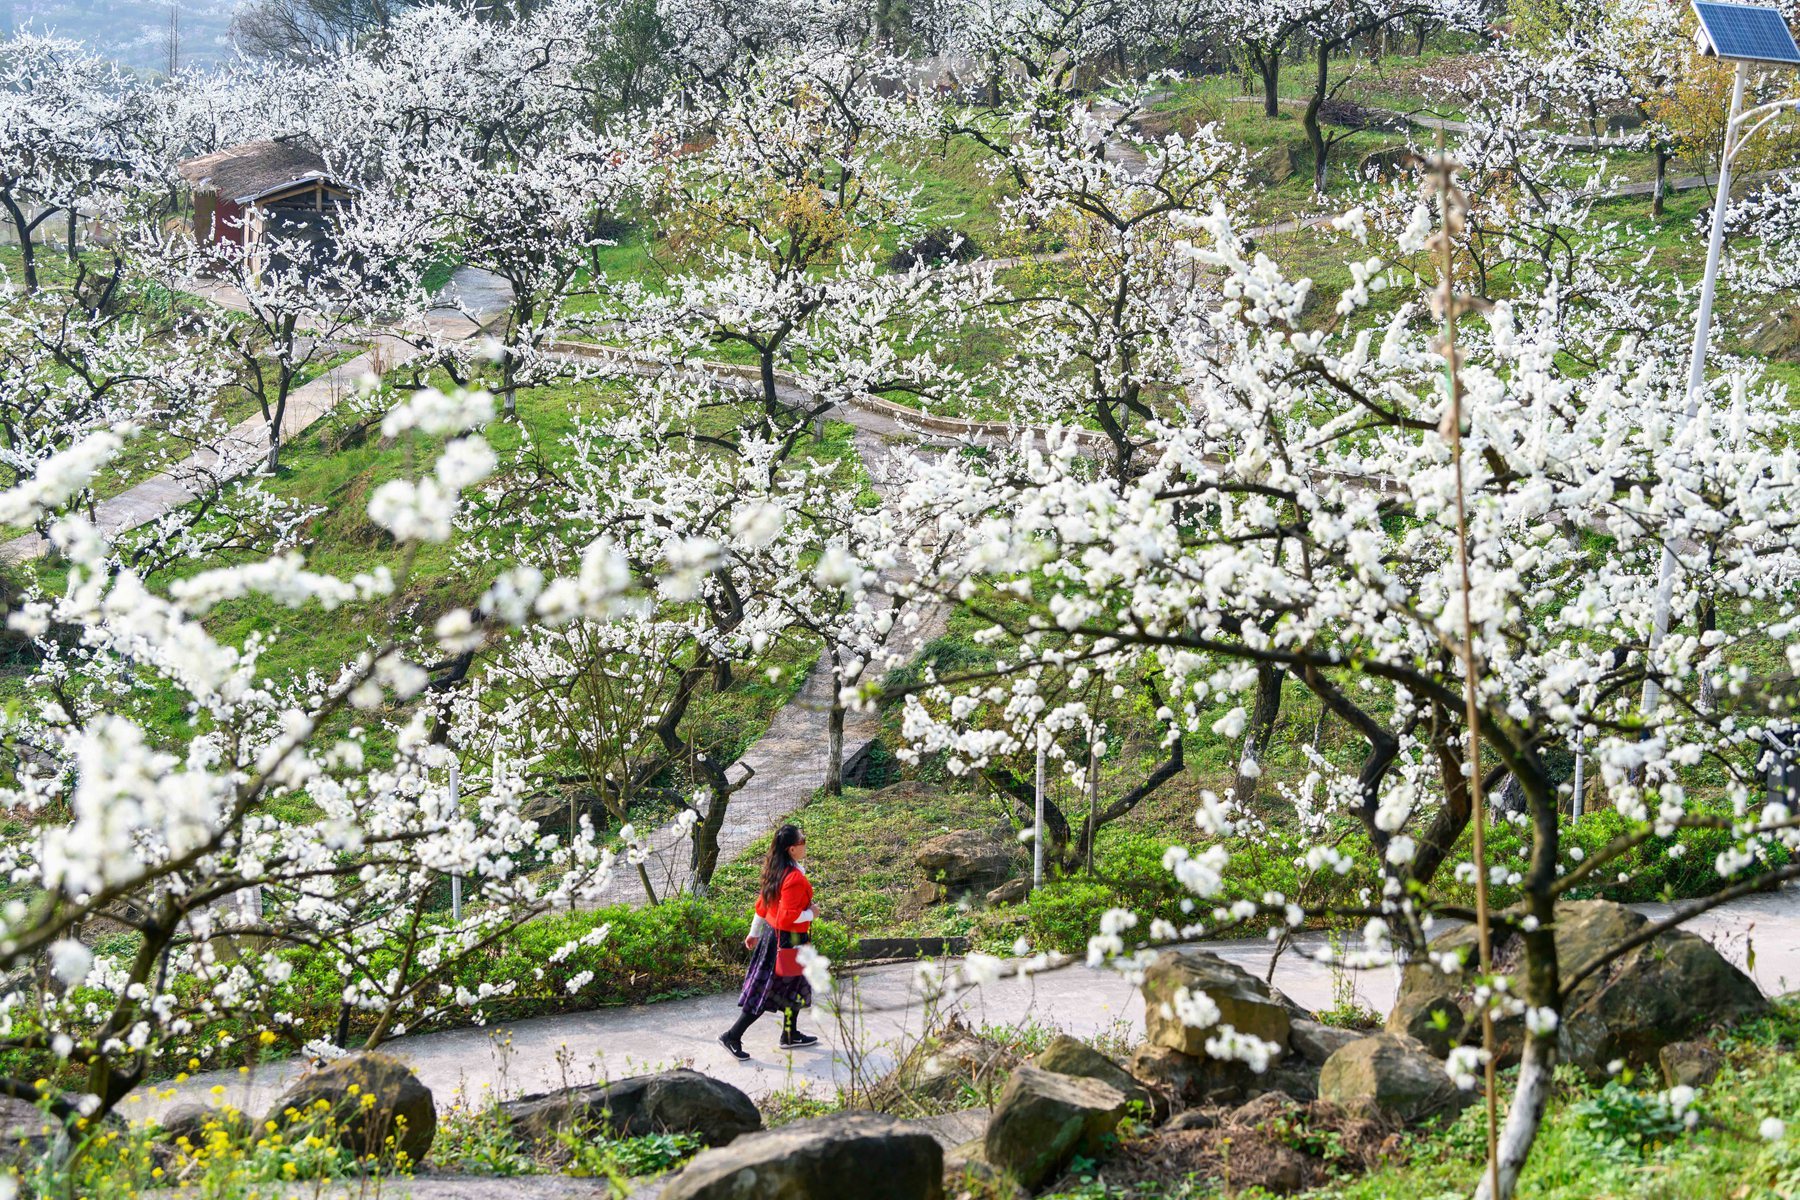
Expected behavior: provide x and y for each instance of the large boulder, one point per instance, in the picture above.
(1689, 1064)
(680, 1101)
(1072, 1056)
(968, 1174)
(1315, 1042)
(1013, 891)
(1387, 1073)
(1663, 991)
(1189, 1081)
(1246, 1003)
(1043, 1119)
(864, 1155)
(27, 1133)
(967, 860)
(197, 1122)
(372, 1104)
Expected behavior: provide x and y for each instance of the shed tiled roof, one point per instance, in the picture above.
(253, 170)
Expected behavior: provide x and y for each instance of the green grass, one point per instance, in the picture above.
(1587, 1149)
(860, 849)
(1615, 1141)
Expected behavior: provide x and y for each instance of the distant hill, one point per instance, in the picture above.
(135, 32)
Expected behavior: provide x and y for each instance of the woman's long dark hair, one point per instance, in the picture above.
(780, 861)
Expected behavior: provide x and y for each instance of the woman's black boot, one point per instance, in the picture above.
(790, 1030)
(733, 1039)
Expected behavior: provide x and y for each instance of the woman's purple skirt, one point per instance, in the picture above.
(764, 990)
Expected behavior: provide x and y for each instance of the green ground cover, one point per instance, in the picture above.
(1617, 1140)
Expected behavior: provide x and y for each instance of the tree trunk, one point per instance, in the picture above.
(71, 246)
(1315, 136)
(1523, 1116)
(1709, 621)
(277, 416)
(1269, 67)
(834, 751)
(1263, 712)
(1660, 192)
(706, 833)
(27, 257)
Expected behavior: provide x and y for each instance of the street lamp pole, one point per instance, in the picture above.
(1735, 137)
(1709, 284)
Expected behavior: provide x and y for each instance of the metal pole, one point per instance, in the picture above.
(1665, 585)
(456, 803)
(1580, 762)
(1037, 839)
(1093, 799)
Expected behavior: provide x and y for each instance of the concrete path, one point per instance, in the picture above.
(1576, 141)
(241, 450)
(472, 297)
(786, 765)
(877, 1012)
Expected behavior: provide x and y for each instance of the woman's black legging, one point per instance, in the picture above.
(790, 1023)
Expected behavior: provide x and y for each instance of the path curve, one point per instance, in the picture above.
(880, 1012)
(243, 449)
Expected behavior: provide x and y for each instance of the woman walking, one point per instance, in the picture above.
(784, 917)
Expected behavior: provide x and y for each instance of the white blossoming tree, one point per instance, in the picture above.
(267, 824)
(1301, 508)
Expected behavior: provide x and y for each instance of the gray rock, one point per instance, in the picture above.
(1188, 1081)
(1044, 1119)
(679, 1101)
(190, 1119)
(1266, 1108)
(966, 860)
(1438, 1023)
(1390, 1073)
(955, 1129)
(1245, 1002)
(1314, 1042)
(862, 1155)
(1661, 992)
(1072, 1056)
(925, 893)
(1689, 1064)
(26, 1133)
(1013, 891)
(967, 1172)
(401, 1121)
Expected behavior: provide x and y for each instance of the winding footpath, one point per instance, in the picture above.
(875, 1012)
(471, 300)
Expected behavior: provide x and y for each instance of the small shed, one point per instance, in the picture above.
(241, 192)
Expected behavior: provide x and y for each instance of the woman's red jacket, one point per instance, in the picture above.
(792, 911)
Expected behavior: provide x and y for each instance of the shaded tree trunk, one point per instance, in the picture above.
(1023, 802)
(25, 228)
(1709, 621)
(1315, 134)
(1659, 193)
(1523, 1116)
(834, 751)
(1267, 65)
(1263, 712)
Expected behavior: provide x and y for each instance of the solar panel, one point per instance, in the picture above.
(1747, 32)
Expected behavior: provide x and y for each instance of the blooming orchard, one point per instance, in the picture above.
(1208, 485)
